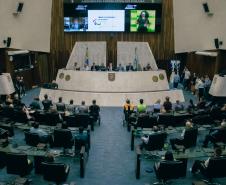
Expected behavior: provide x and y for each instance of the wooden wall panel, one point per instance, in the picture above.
(162, 43)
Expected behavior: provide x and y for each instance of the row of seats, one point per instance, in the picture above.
(19, 164)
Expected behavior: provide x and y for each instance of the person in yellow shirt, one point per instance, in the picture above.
(141, 107)
(128, 106)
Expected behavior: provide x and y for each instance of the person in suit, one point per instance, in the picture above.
(94, 110)
(54, 85)
(178, 106)
(43, 135)
(145, 139)
(180, 141)
(120, 68)
(167, 157)
(93, 67)
(60, 105)
(167, 105)
(83, 108)
(35, 104)
(216, 135)
(46, 103)
(71, 107)
(129, 67)
(102, 67)
(201, 165)
(81, 139)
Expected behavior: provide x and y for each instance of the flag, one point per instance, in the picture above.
(87, 57)
(135, 61)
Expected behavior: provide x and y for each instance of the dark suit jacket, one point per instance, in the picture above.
(46, 104)
(129, 68)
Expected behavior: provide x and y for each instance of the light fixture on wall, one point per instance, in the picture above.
(206, 9)
(7, 42)
(218, 43)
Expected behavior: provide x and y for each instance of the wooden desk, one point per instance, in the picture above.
(189, 153)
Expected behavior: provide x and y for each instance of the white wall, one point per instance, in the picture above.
(194, 29)
(29, 30)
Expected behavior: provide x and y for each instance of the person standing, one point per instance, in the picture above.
(176, 80)
(187, 76)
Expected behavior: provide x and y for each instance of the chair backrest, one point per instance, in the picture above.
(55, 172)
(156, 141)
(216, 167)
(31, 139)
(171, 170)
(143, 121)
(2, 159)
(190, 137)
(62, 138)
(220, 135)
(202, 119)
(165, 119)
(20, 116)
(16, 163)
(82, 119)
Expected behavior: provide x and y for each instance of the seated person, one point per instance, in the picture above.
(83, 108)
(191, 106)
(157, 106)
(86, 67)
(223, 108)
(94, 110)
(168, 157)
(178, 106)
(44, 136)
(201, 165)
(120, 68)
(82, 139)
(46, 103)
(110, 67)
(141, 107)
(180, 141)
(167, 105)
(145, 139)
(93, 67)
(201, 104)
(102, 67)
(54, 85)
(16, 101)
(76, 67)
(35, 104)
(216, 135)
(60, 105)
(129, 67)
(147, 68)
(71, 108)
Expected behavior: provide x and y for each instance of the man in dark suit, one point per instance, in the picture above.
(35, 104)
(60, 105)
(46, 103)
(167, 105)
(217, 135)
(94, 110)
(129, 67)
(201, 165)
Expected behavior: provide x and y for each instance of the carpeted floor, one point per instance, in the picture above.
(110, 160)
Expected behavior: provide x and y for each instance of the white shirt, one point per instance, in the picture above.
(187, 74)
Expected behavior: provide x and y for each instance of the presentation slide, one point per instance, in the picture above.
(106, 20)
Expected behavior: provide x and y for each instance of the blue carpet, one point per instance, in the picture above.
(110, 161)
